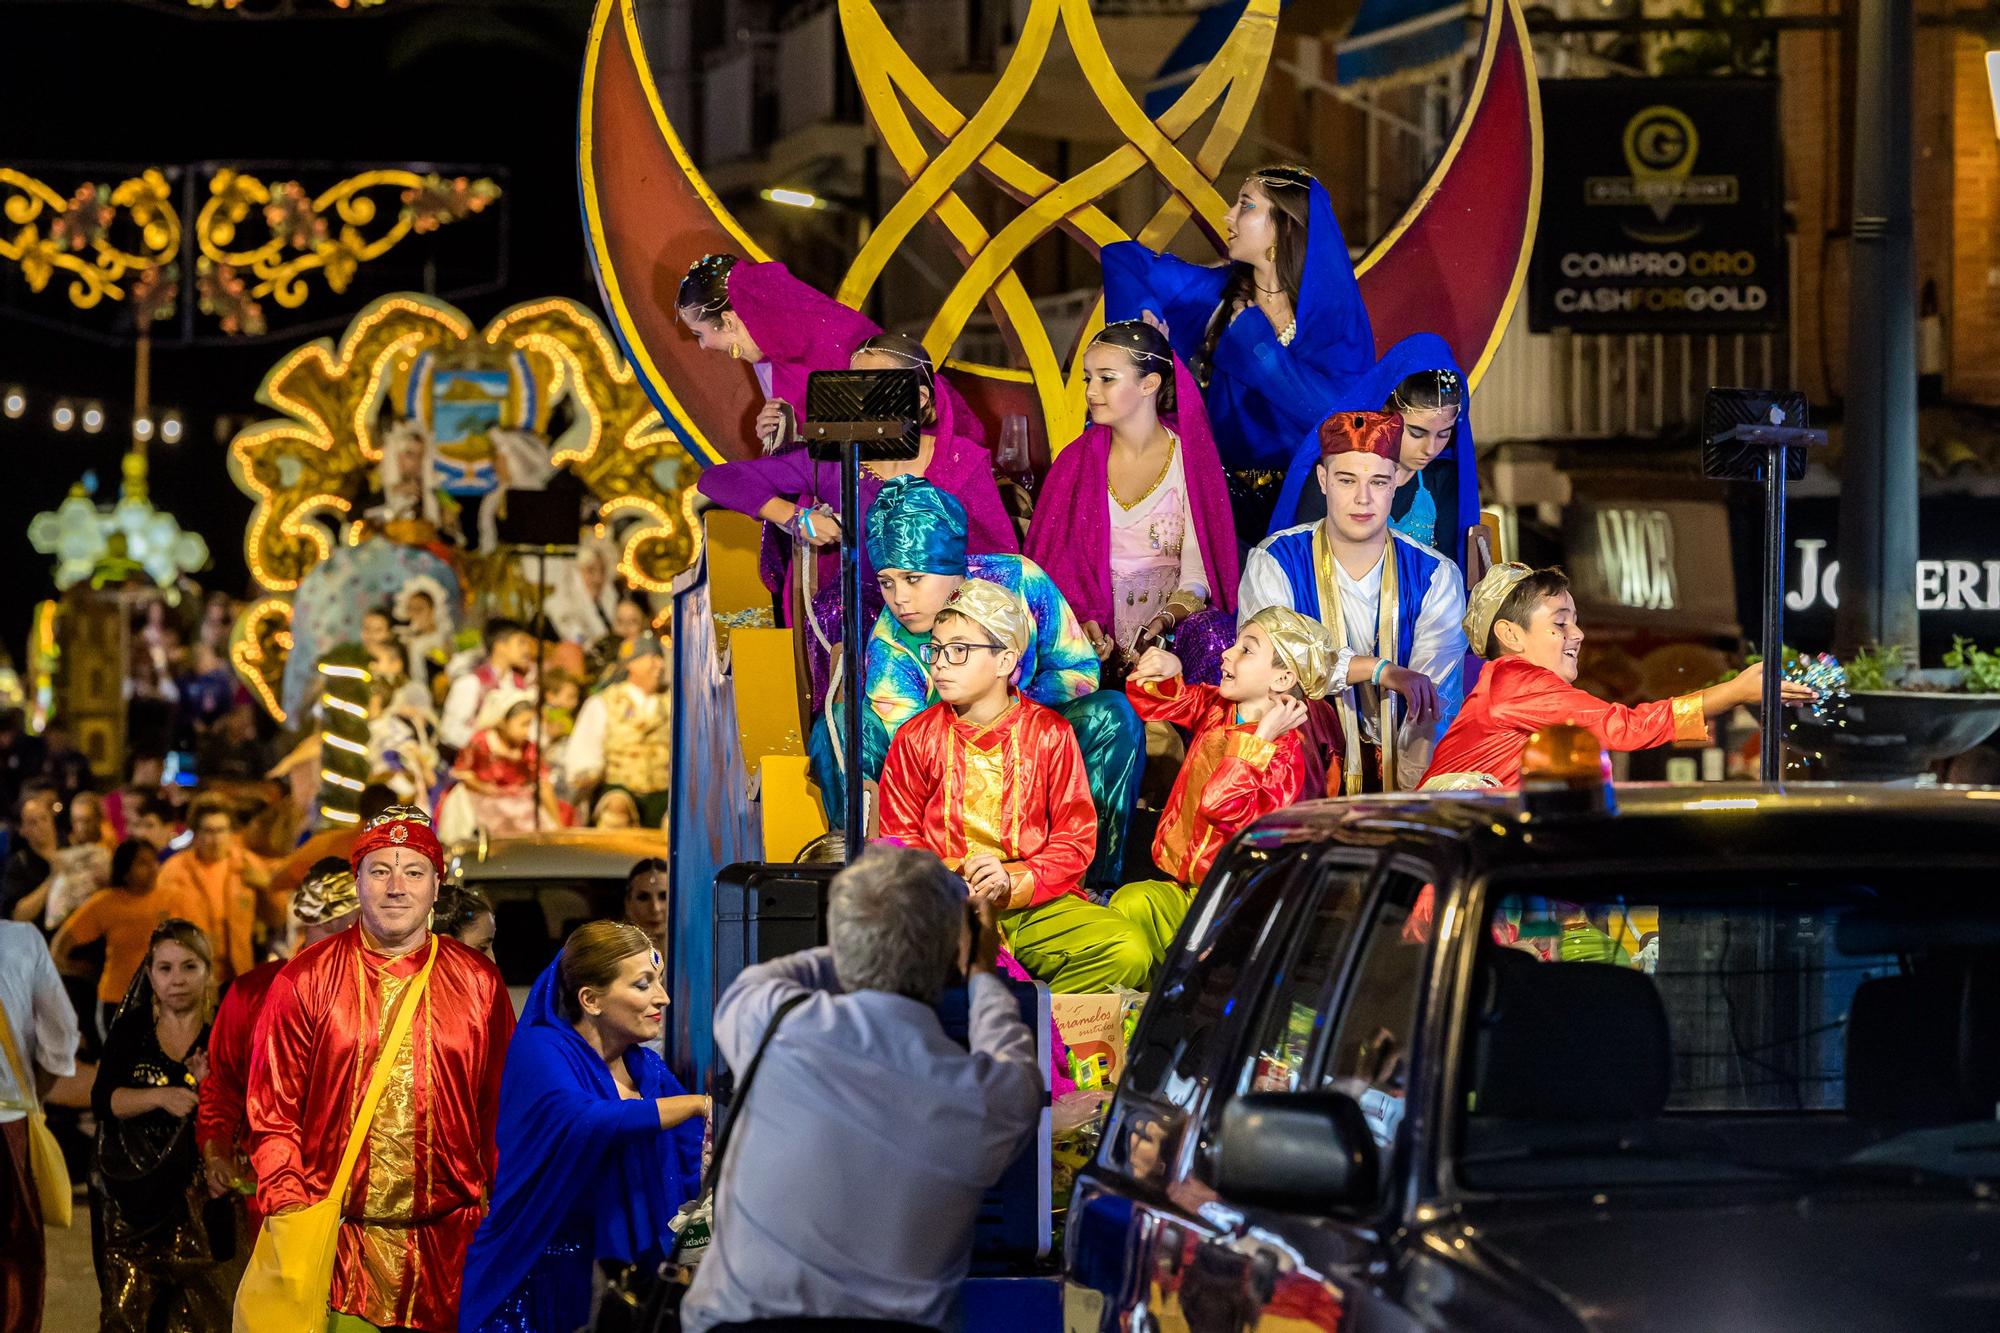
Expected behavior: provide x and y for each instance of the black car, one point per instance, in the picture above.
(1708, 1062)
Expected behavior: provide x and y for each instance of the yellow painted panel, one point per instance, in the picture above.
(734, 584)
(792, 813)
(767, 688)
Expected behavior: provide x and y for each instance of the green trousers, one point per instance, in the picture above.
(1156, 908)
(1078, 947)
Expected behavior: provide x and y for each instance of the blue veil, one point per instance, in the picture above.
(1263, 397)
(569, 1146)
(1370, 393)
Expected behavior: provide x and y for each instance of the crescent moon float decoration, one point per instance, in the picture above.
(1452, 265)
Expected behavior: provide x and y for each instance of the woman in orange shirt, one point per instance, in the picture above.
(124, 916)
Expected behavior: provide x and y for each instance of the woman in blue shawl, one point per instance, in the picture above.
(599, 1146)
(1278, 337)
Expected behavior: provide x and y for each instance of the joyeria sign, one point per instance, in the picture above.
(1957, 580)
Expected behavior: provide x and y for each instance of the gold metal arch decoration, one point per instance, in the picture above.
(1452, 265)
(887, 75)
(251, 239)
(307, 471)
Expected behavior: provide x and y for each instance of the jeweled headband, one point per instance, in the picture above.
(1283, 173)
(922, 363)
(1134, 352)
(1450, 388)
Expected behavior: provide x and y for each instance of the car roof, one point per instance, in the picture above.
(583, 853)
(1718, 824)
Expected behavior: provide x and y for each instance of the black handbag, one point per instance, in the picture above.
(641, 1298)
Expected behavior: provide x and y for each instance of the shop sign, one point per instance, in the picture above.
(1656, 564)
(1661, 207)
(1957, 574)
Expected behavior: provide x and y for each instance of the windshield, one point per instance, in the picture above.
(1651, 1029)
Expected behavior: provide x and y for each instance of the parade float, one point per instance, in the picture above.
(386, 481)
(648, 211)
(737, 892)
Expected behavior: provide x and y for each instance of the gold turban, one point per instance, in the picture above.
(1302, 644)
(1482, 604)
(324, 897)
(997, 611)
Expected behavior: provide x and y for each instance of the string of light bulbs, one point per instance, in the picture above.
(88, 415)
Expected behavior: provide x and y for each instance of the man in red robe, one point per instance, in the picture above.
(1524, 622)
(423, 1178)
(324, 905)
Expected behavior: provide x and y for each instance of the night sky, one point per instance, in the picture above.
(120, 85)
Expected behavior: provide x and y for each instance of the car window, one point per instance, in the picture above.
(532, 917)
(1368, 1055)
(1290, 1025)
(1197, 1008)
(1734, 1026)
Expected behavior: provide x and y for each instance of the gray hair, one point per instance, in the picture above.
(894, 919)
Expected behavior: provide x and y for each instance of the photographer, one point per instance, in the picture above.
(870, 1135)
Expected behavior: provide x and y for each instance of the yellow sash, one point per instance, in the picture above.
(45, 1155)
(1344, 700)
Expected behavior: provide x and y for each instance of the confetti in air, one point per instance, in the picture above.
(1825, 675)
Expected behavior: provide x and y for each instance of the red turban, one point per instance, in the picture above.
(399, 826)
(1378, 433)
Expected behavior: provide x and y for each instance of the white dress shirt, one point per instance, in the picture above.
(867, 1141)
(38, 1010)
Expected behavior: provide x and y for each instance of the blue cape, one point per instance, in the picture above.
(568, 1145)
(1262, 397)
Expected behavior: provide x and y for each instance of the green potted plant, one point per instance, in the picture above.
(1901, 718)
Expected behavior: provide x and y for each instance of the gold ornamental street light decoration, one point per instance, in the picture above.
(329, 232)
(270, 8)
(253, 239)
(108, 546)
(96, 236)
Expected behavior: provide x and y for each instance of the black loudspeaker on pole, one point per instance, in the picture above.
(1761, 435)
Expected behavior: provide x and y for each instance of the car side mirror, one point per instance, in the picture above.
(1299, 1151)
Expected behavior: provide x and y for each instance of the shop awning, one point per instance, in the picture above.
(1394, 40)
(1211, 29)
